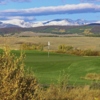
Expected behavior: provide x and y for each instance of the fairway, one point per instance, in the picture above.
(49, 69)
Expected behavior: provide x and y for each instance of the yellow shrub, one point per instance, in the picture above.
(14, 84)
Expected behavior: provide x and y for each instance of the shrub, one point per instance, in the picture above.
(95, 85)
(75, 51)
(14, 84)
(63, 48)
(92, 76)
(30, 46)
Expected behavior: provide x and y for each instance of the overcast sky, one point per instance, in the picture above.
(41, 10)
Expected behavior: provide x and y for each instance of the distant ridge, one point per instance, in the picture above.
(87, 30)
(94, 24)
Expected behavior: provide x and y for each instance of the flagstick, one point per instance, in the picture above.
(48, 48)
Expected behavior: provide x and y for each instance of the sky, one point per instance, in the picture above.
(43, 10)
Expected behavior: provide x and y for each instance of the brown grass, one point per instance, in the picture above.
(85, 43)
(55, 92)
(92, 76)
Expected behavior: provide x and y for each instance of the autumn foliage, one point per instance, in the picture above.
(14, 84)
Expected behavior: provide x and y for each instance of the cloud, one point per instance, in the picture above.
(90, 0)
(20, 0)
(2, 2)
(52, 10)
(69, 9)
(27, 19)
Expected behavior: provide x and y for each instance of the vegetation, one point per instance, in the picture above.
(75, 51)
(92, 76)
(87, 30)
(15, 84)
(30, 46)
(63, 75)
(47, 69)
(81, 43)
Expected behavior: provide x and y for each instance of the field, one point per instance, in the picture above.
(49, 69)
(92, 43)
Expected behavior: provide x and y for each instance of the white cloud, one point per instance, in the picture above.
(90, 0)
(70, 9)
(20, 0)
(2, 2)
(26, 18)
(51, 10)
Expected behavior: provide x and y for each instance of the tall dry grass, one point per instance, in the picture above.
(14, 84)
(82, 43)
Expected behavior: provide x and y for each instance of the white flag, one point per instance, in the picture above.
(48, 43)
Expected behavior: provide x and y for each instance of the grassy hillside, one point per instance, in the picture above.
(63, 29)
(48, 69)
(90, 30)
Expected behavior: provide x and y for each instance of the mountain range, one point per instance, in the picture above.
(59, 22)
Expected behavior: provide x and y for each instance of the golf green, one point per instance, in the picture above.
(49, 69)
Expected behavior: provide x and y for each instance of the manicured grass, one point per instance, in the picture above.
(48, 69)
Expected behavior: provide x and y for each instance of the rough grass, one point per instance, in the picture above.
(92, 76)
(92, 43)
(58, 93)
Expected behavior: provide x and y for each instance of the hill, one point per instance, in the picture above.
(87, 30)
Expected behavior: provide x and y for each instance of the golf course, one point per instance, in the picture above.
(49, 69)
(69, 70)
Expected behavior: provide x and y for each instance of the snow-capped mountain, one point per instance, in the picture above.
(17, 22)
(66, 22)
(60, 22)
(3, 25)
